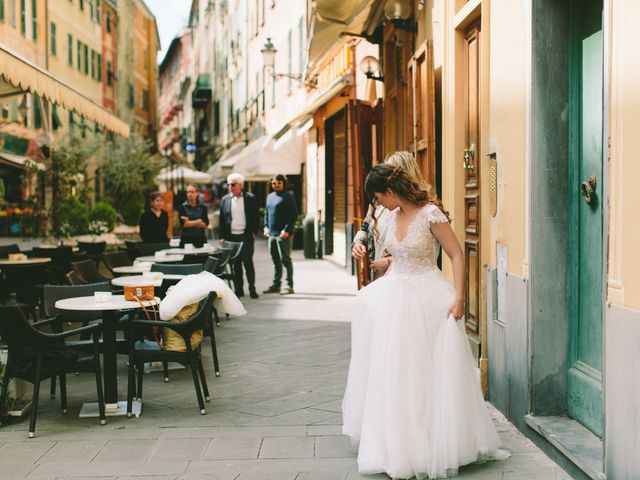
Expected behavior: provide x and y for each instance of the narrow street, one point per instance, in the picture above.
(274, 412)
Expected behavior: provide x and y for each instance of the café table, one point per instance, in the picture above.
(25, 261)
(190, 251)
(129, 269)
(109, 309)
(165, 259)
(137, 280)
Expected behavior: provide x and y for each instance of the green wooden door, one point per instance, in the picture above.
(584, 399)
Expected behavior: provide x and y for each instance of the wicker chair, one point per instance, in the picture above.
(88, 271)
(34, 356)
(93, 250)
(116, 259)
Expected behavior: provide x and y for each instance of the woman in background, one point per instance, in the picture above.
(154, 221)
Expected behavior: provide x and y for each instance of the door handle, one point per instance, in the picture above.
(469, 158)
(588, 190)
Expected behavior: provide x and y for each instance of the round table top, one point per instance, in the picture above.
(117, 302)
(26, 261)
(132, 269)
(190, 251)
(167, 259)
(137, 280)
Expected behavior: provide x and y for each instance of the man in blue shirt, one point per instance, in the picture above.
(279, 218)
(194, 219)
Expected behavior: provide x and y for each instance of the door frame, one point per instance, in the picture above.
(547, 287)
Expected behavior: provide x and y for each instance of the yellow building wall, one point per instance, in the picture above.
(624, 170)
(69, 19)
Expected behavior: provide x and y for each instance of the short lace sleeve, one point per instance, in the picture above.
(434, 215)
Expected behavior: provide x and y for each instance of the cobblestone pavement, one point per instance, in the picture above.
(274, 412)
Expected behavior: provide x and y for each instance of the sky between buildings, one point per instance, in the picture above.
(171, 16)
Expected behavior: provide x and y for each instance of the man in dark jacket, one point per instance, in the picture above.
(194, 219)
(239, 223)
(279, 220)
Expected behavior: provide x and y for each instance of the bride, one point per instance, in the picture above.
(413, 400)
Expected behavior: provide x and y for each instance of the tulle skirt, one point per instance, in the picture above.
(413, 399)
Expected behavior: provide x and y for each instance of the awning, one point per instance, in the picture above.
(264, 158)
(19, 161)
(225, 165)
(185, 174)
(22, 73)
(331, 20)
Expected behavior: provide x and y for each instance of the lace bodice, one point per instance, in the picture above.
(418, 251)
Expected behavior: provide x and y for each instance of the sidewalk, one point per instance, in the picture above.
(274, 412)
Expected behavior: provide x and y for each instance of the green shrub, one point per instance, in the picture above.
(75, 214)
(104, 212)
(130, 207)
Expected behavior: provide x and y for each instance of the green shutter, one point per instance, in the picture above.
(79, 54)
(99, 68)
(70, 49)
(37, 117)
(23, 17)
(34, 19)
(1, 10)
(55, 119)
(53, 39)
(85, 49)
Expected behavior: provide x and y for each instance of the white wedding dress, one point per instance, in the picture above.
(413, 398)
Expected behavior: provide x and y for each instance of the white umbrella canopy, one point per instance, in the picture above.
(183, 173)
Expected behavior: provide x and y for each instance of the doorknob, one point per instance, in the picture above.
(469, 156)
(588, 190)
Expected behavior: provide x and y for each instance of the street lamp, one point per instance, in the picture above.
(398, 12)
(370, 66)
(269, 60)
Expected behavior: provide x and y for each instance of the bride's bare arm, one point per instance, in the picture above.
(447, 239)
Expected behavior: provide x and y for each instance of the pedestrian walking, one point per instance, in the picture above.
(279, 218)
(154, 221)
(413, 399)
(239, 223)
(194, 219)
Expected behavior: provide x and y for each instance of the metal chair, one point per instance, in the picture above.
(235, 248)
(116, 259)
(210, 264)
(61, 258)
(177, 269)
(138, 357)
(191, 258)
(88, 271)
(73, 278)
(5, 250)
(147, 249)
(93, 250)
(34, 356)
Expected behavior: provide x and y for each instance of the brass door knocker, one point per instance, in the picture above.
(588, 189)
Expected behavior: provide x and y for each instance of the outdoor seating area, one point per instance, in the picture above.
(72, 298)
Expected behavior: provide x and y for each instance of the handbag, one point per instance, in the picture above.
(139, 292)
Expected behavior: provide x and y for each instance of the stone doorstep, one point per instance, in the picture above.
(579, 445)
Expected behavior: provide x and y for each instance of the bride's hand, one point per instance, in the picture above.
(456, 309)
(358, 251)
(381, 265)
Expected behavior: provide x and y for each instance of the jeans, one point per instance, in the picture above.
(280, 250)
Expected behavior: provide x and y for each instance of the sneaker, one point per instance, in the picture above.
(272, 289)
(253, 293)
(287, 291)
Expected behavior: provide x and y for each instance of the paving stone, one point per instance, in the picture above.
(342, 475)
(108, 469)
(233, 448)
(125, 451)
(179, 449)
(335, 446)
(287, 447)
(324, 430)
(211, 432)
(72, 451)
(23, 452)
(306, 416)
